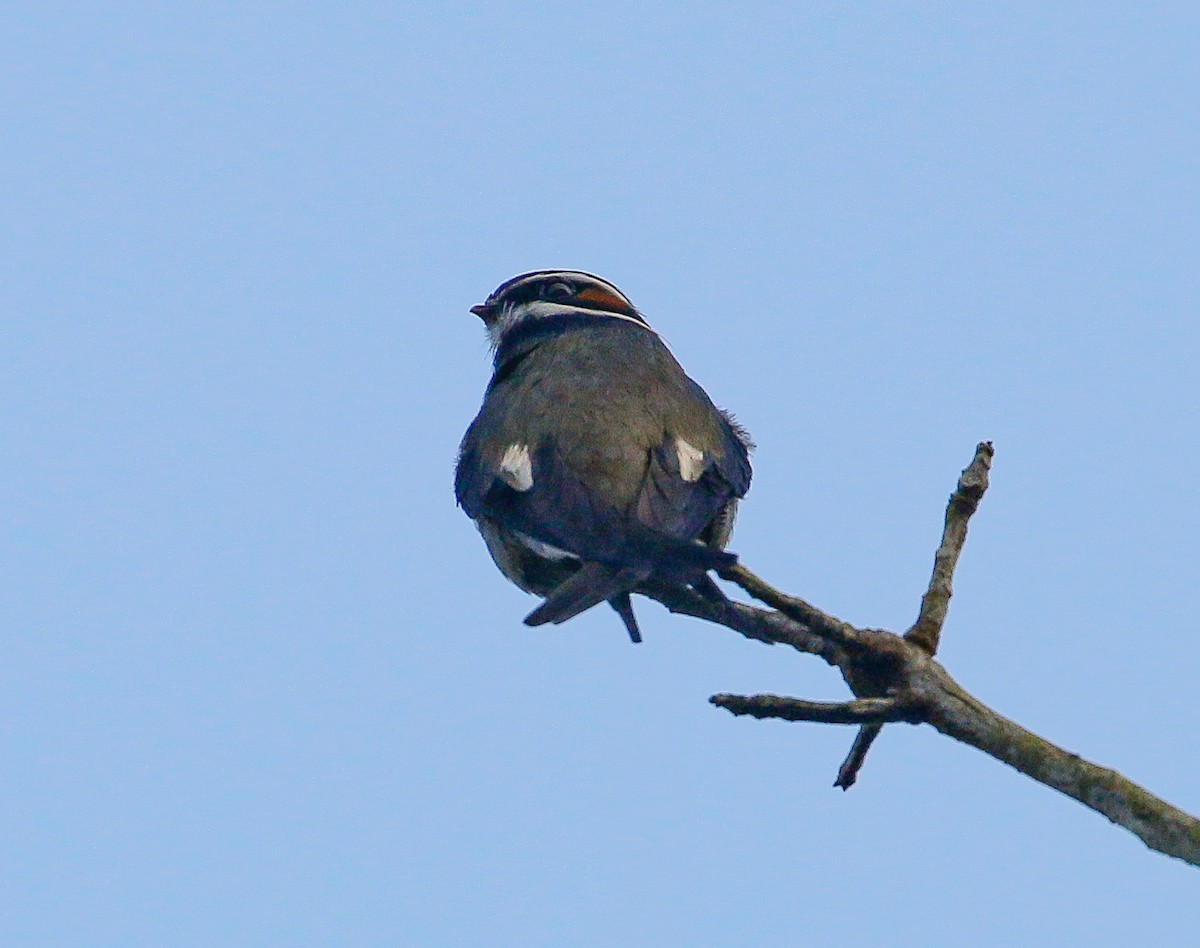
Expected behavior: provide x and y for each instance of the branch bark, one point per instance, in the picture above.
(896, 678)
(847, 774)
(926, 632)
(866, 711)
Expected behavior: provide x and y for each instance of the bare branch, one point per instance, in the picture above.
(1157, 823)
(762, 625)
(927, 631)
(848, 773)
(860, 711)
(895, 678)
(821, 623)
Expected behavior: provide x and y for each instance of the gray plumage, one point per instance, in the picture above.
(595, 463)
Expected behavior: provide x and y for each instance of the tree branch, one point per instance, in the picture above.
(762, 625)
(870, 711)
(818, 622)
(1157, 823)
(848, 773)
(927, 630)
(896, 678)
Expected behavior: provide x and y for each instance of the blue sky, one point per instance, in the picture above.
(262, 684)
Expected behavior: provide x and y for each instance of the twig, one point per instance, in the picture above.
(927, 630)
(860, 711)
(821, 623)
(848, 773)
(762, 625)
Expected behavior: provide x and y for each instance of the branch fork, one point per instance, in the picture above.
(896, 678)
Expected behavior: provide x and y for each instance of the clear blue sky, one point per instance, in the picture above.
(261, 683)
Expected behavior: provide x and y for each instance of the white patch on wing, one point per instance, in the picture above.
(516, 468)
(545, 550)
(691, 461)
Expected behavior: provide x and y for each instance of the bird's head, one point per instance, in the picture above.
(544, 294)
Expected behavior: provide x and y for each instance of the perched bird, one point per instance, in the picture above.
(595, 463)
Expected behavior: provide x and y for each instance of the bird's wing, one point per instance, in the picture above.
(733, 464)
(625, 494)
(548, 502)
(700, 469)
(685, 487)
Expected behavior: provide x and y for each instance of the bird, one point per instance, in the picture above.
(595, 462)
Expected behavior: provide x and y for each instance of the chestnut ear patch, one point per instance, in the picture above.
(605, 300)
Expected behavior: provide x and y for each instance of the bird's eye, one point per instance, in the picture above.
(559, 291)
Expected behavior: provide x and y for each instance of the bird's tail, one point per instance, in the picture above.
(674, 560)
(592, 584)
(681, 561)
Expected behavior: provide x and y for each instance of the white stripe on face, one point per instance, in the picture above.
(512, 316)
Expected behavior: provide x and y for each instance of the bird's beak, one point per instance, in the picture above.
(483, 311)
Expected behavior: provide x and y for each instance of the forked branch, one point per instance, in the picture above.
(895, 678)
